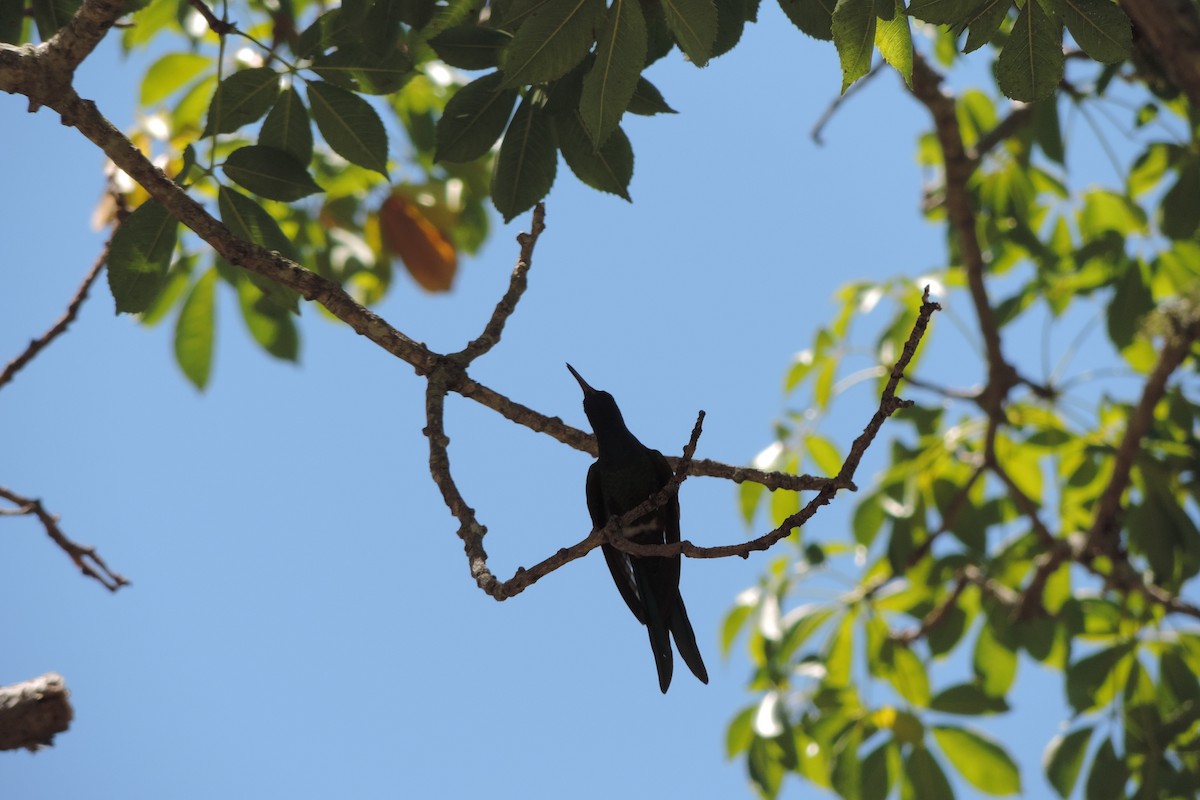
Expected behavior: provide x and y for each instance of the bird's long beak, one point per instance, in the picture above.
(586, 388)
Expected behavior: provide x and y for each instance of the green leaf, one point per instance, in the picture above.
(982, 762)
(967, 699)
(1064, 759)
(51, 15)
(694, 25)
(1099, 26)
(731, 23)
(909, 676)
(194, 330)
(474, 119)
(381, 26)
(527, 162)
(995, 661)
(554, 37)
(839, 653)
(749, 496)
(1131, 301)
(287, 127)
(1180, 209)
(942, 12)
(647, 100)
(740, 733)
(354, 67)
(894, 40)
(735, 620)
(823, 453)
(609, 84)
(984, 22)
(271, 326)
(766, 771)
(12, 20)
(349, 125)
(608, 169)
(1108, 775)
(924, 778)
(139, 255)
(241, 98)
(1031, 63)
(868, 520)
(270, 173)
(170, 73)
(1092, 681)
(1108, 211)
(172, 290)
(250, 221)
(470, 46)
(1047, 131)
(854, 37)
(812, 17)
(876, 777)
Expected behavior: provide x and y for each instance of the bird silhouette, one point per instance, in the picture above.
(627, 473)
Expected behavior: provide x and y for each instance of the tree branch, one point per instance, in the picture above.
(59, 327)
(960, 210)
(1102, 537)
(1172, 29)
(79, 37)
(86, 558)
(32, 712)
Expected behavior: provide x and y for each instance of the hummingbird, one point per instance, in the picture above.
(627, 473)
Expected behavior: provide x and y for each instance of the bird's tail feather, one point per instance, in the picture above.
(656, 625)
(685, 641)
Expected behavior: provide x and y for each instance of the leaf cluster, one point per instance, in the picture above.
(970, 554)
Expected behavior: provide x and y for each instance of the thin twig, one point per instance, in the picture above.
(86, 558)
(59, 327)
(516, 287)
(888, 405)
(837, 102)
(1102, 537)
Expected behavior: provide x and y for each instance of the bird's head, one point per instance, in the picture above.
(600, 407)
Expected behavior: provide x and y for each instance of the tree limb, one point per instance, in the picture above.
(1172, 29)
(59, 327)
(86, 558)
(32, 712)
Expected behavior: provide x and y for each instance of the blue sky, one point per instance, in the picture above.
(301, 621)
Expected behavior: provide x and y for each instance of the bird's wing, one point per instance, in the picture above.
(669, 514)
(680, 625)
(618, 563)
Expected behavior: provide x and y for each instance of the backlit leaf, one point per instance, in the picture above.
(694, 25)
(609, 168)
(241, 98)
(139, 255)
(350, 126)
(170, 74)
(1031, 63)
(609, 84)
(287, 127)
(554, 37)
(1064, 759)
(527, 162)
(269, 173)
(194, 330)
(981, 761)
(474, 119)
(1099, 26)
